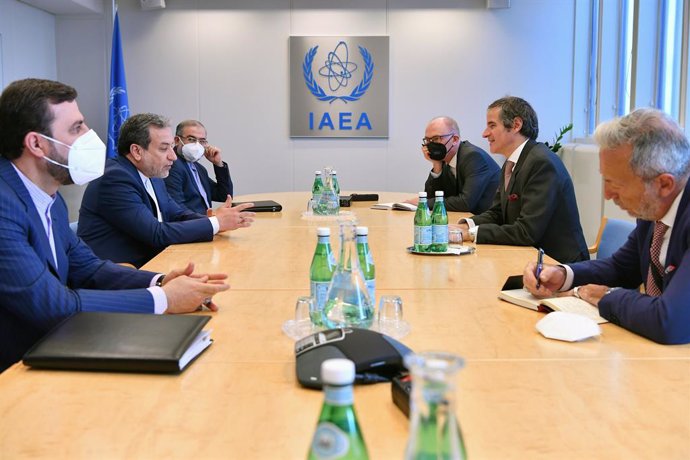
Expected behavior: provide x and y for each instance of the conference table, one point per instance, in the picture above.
(520, 395)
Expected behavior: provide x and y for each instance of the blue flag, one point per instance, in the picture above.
(117, 100)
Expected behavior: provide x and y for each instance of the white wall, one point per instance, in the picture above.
(28, 42)
(226, 63)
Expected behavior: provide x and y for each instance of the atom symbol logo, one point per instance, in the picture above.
(338, 71)
(337, 68)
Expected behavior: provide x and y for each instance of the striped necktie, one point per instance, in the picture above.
(656, 271)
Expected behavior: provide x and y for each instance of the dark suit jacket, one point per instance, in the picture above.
(117, 219)
(538, 209)
(183, 189)
(35, 295)
(664, 319)
(475, 185)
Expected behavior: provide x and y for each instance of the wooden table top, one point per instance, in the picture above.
(520, 395)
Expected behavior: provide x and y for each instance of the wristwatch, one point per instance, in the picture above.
(159, 282)
(576, 292)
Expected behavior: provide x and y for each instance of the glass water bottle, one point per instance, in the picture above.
(434, 430)
(329, 203)
(348, 304)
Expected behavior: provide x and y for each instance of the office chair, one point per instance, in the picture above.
(74, 226)
(612, 234)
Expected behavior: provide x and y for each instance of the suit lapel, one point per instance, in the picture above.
(61, 240)
(676, 244)
(40, 242)
(161, 195)
(506, 192)
(129, 167)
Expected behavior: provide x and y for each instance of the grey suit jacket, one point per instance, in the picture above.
(538, 208)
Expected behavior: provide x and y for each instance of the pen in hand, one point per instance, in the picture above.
(540, 265)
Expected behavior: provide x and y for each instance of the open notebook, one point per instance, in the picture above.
(568, 303)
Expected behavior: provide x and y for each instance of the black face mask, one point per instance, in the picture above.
(437, 151)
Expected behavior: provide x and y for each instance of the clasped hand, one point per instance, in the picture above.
(186, 291)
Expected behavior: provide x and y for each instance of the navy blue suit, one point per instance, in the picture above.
(664, 319)
(182, 187)
(35, 295)
(473, 187)
(538, 209)
(117, 217)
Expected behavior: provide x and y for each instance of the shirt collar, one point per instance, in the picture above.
(143, 178)
(515, 156)
(670, 216)
(41, 199)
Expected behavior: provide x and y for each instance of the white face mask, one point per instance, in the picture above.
(193, 152)
(86, 157)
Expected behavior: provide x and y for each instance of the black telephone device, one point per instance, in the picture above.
(377, 357)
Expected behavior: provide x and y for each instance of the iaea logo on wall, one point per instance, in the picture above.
(339, 86)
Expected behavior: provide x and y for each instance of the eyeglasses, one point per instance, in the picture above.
(193, 140)
(435, 139)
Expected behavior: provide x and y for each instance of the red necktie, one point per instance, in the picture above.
(507, 173)
(655, 249)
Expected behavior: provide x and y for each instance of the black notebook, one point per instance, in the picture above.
(127, 342)
(261, 206)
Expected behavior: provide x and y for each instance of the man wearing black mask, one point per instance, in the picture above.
(467, 175)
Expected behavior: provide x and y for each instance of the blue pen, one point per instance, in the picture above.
(540, 265)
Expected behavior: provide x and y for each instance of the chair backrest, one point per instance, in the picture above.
(74, 226)
(613, 236)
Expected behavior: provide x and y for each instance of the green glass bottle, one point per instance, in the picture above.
(336, 184)
(320, 273)
(422, 225)
(316, 190)
(434, 430)
(439, 224)
(338, 435)
(366, 262)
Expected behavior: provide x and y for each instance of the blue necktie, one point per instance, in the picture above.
(200, 187)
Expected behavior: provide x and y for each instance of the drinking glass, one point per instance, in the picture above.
(390, 318)
(300, 326)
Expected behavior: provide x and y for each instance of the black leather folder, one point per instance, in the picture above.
(126, 342)
(262, 206)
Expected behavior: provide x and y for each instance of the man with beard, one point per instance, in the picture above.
(188, 182)
(128, 216)
(644, 159)
(535, 202)
(466, 174)
(46, 272)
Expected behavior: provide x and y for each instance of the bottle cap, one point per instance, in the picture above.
(439, 193)
(318, 173)
(338, 371)
(363, 231)
(334, 172)
(422, 194)
(323, 231)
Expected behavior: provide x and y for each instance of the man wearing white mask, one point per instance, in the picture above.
(46, 272)
(188, 182)
(128, 216)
